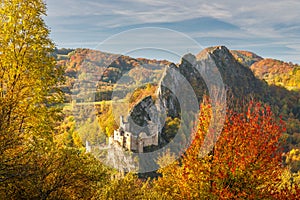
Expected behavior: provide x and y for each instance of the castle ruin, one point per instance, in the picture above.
(135, 139)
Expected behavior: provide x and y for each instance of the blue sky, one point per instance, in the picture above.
(268, 28)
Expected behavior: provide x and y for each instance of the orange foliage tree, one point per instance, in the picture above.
(245, 161)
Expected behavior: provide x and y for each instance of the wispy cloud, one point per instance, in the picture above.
(256, 21)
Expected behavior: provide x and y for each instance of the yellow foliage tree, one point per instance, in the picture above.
(28, 77)
(32, 165)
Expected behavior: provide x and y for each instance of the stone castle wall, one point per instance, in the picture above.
(131, 142)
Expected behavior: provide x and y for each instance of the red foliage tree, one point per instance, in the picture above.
(245, 161)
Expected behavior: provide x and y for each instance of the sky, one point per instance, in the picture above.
(270, 28)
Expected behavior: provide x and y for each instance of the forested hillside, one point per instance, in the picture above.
(279, 73)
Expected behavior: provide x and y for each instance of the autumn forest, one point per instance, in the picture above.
(46, 122)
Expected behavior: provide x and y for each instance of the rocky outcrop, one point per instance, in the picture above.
(239, 80)
(143, 117)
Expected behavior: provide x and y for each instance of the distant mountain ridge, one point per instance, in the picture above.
(107, 69)
(271, 70)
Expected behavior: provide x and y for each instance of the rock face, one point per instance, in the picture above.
(239, 80)
(143, 117)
